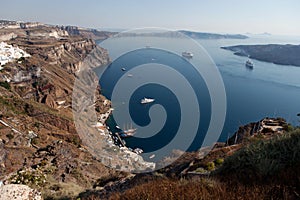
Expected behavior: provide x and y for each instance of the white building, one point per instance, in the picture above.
(8, 53)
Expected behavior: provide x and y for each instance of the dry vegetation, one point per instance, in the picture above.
(263, 170)
(204, 188)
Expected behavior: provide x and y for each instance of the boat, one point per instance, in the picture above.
(147, 100)
(129, 75)
(123, 134)
(249, 64)
(187, 54)
(123, 69)
(138, 151)
(152, 156)
(128, 132)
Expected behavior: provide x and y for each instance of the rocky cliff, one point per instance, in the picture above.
(39, 145)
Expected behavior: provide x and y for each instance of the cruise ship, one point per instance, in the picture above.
(187, 54)
(147, 100)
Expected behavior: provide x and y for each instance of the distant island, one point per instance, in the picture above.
(201, 35)
(182, 34)
(274, 53)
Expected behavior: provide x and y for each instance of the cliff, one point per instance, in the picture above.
(87, 33)
(39, 145)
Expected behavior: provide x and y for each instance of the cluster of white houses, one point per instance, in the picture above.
(9, 53)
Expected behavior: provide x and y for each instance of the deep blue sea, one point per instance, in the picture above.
(269, 90)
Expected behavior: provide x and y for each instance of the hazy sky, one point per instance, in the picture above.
(225, 16)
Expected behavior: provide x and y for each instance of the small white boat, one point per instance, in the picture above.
(147, 100)
(152, 156)
(123, 69)
(129, 75)
(138, 151)
(130, 132)
(187, 54)
(249, 64)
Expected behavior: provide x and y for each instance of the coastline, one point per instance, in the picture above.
(273, 53)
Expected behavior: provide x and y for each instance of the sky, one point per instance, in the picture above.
(279, 17)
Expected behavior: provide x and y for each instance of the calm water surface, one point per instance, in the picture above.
(269, 90)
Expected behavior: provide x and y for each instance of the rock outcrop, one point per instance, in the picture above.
(266, 127)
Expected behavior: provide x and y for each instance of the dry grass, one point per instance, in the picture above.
(60, 191)
(204, 188)
(264, 170)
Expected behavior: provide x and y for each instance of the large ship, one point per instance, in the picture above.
(147, 100)
(187, 54)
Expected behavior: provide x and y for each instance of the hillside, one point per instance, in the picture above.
(258, 169)
(262, 164)
(183, 33)
(201, 35)
(38, 142)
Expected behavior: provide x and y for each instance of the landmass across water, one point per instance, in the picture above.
(274, 53)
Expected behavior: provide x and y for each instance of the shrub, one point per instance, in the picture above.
(5, 84)
(265, 158)
(288, 127)
(75, 139)
(219, 161)
(10, 136)
(210, 166)
(200, 170)
(29, 177)
(34, 141)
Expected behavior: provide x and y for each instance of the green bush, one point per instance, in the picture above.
(210, 166)
(201, 170)
(27, 177)
(265, 158)
(5, 84)
(219, 161)
(288, 127)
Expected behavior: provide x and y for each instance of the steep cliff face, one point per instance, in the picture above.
(38, 138)
(51, 68)
(46, 32)
(47, 77)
